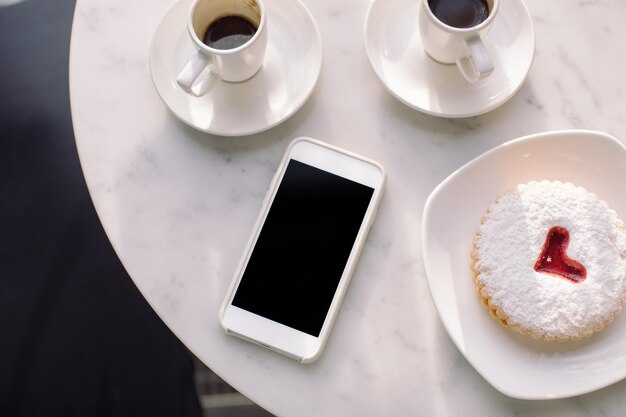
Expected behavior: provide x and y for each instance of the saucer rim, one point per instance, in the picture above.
(494, 105)
(230, 133)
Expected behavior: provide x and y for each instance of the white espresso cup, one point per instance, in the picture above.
(458, 45)
(229, 54)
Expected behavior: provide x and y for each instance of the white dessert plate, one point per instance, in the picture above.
(393, 45)
(292, 64)
(517, 365)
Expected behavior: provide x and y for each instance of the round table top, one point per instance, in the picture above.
(178, 204)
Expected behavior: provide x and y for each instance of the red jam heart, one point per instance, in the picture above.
(554, 259)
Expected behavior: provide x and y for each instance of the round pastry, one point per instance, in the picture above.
(549, 261)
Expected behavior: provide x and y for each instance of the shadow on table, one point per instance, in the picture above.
(78, 339)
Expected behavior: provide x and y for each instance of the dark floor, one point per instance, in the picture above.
(76, 337)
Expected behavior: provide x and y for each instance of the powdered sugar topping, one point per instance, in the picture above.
(511, 239)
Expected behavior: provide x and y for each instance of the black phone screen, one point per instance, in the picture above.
(303, 247)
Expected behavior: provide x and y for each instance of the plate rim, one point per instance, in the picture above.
(541, 136)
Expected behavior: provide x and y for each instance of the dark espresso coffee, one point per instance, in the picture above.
(460, 13)
(229, 32)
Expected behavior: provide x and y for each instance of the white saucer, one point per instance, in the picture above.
(394, 49)
(290, 71)
(517, 365)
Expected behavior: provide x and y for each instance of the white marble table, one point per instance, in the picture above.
(178, 204)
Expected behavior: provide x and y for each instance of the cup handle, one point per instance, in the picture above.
(192, 78)
(473, 60)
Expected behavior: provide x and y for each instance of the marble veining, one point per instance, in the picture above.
(178, 205)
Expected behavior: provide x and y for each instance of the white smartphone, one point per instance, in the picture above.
(296, 267)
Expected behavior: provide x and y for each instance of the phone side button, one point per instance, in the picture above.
(266, 199)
